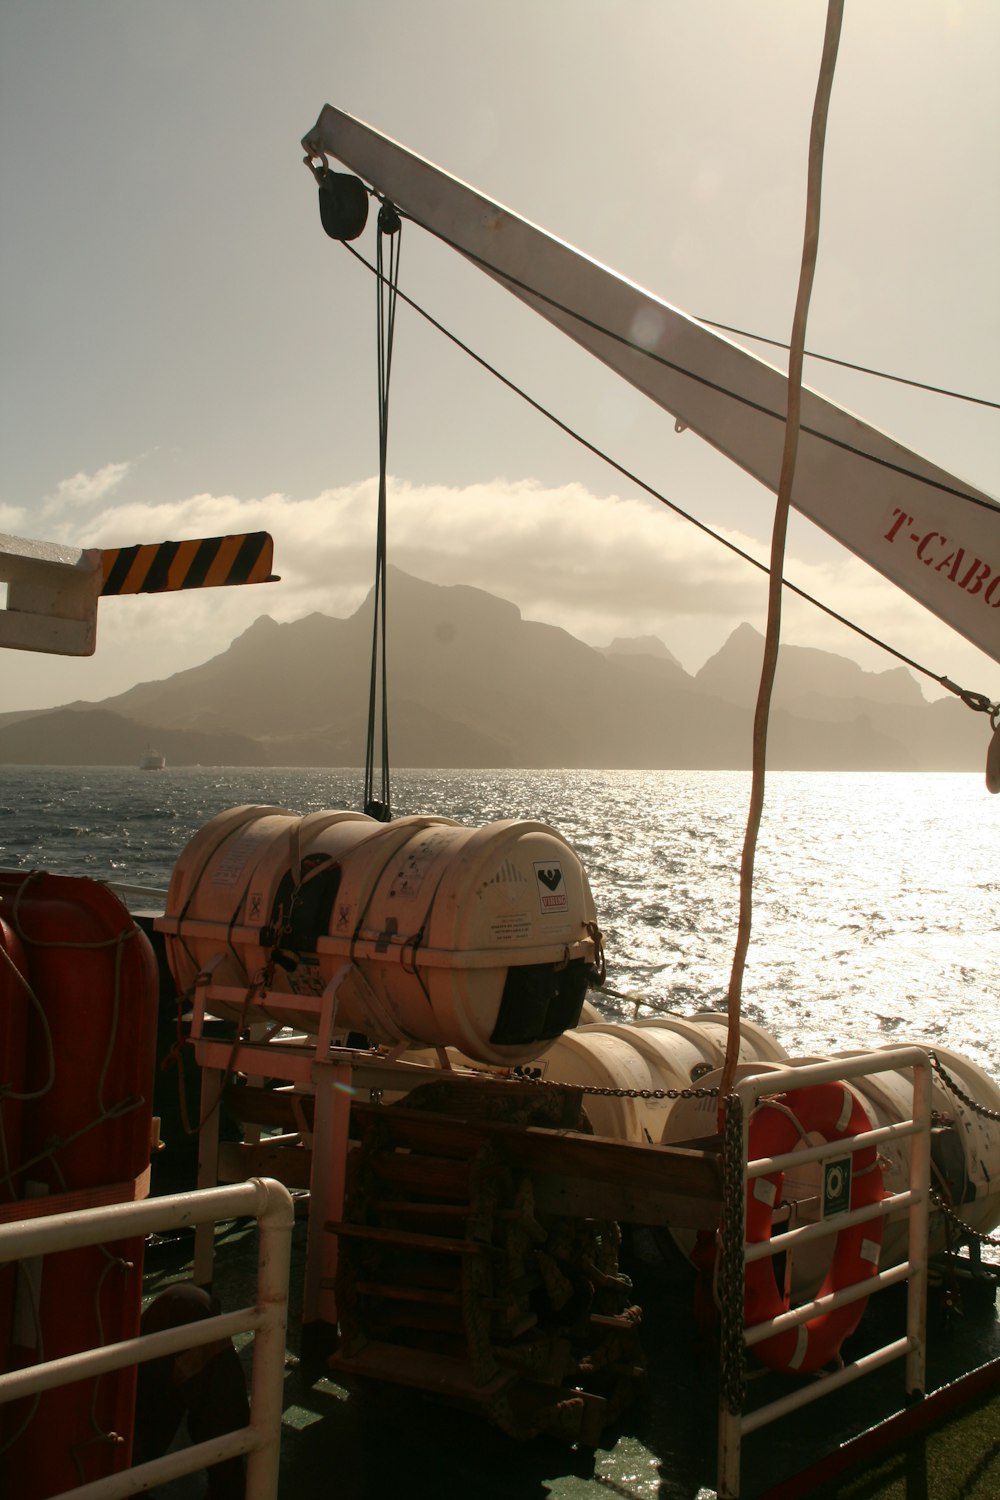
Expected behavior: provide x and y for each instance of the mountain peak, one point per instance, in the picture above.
(803, 672)
(640, 645)
(472, 684)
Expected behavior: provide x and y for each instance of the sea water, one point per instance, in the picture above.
(876, 896)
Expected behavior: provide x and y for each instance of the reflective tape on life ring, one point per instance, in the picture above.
(832, 1112)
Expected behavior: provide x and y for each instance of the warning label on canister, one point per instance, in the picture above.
(511, 927)
(551, 886)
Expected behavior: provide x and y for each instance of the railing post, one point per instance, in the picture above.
(270, 1203)
(274, 1250)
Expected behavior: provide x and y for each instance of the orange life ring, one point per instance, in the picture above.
(833, 1112)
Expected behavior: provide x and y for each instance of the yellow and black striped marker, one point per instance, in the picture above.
(208, 562)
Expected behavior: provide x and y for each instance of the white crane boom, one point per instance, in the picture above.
(931, 534)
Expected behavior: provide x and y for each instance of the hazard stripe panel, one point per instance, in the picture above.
(208, 562)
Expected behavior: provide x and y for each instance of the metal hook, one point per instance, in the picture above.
(317, 163)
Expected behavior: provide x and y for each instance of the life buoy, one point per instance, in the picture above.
(833, 1112)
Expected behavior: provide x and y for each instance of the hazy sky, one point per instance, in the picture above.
(186, 353)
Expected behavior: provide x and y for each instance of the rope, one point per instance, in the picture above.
(847, 364)
(389, 228)
(831, 41)
(658, 495)
(703, 380)
(7, 1091)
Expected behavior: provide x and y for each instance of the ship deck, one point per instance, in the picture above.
(360, 1441)
(356, 1440)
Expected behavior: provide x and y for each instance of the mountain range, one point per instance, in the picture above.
(473, 684)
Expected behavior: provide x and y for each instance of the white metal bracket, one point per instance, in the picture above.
(52, 594)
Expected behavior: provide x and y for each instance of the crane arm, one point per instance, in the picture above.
(928, 532)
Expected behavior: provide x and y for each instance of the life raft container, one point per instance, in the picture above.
(832, 1112)
(420, 930)
(13, 1070)
(84, 1000)
(13, 1056)
(91, 1039)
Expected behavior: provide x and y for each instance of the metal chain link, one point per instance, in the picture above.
(606, 1092)
(730, 1282)
(940, 1202)
(949, 1082)
(731, 1269)
(938, 1199)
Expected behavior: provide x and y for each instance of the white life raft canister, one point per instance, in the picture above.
(427, 931)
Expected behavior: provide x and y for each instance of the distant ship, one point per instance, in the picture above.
(153, 761)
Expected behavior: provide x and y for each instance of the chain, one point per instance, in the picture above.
(941, 1203)
(978, 702)
(949, 1082)
(523, 1074)
(731, 1352)
(731, 1271)
(606, 1092)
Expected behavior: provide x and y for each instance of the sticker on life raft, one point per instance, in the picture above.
(231, 866)
(551, 886)
(837, 1186)
(511, 927)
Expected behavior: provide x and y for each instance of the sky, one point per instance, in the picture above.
(185, 353)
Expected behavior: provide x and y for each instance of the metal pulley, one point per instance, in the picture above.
(343, 200)
(389, 221)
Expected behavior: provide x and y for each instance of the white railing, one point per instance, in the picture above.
(734, 1426)
(152, 896)
(260, 1198)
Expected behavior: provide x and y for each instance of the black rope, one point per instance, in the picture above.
(380, 806)
(633, 478)
(847, 364)
(779, 416)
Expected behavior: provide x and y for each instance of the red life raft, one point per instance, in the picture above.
(13, 1056)
(13, 1066)
(87, 1020)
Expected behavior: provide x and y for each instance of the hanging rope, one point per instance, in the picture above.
(810, 245)
(389, 235)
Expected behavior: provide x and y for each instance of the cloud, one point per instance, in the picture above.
(82, 489)
(599, 566)
(559, 553)
(12, 518)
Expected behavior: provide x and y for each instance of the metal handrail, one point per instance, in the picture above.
(261, 1198)
(129, 892)
(733, 1426)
